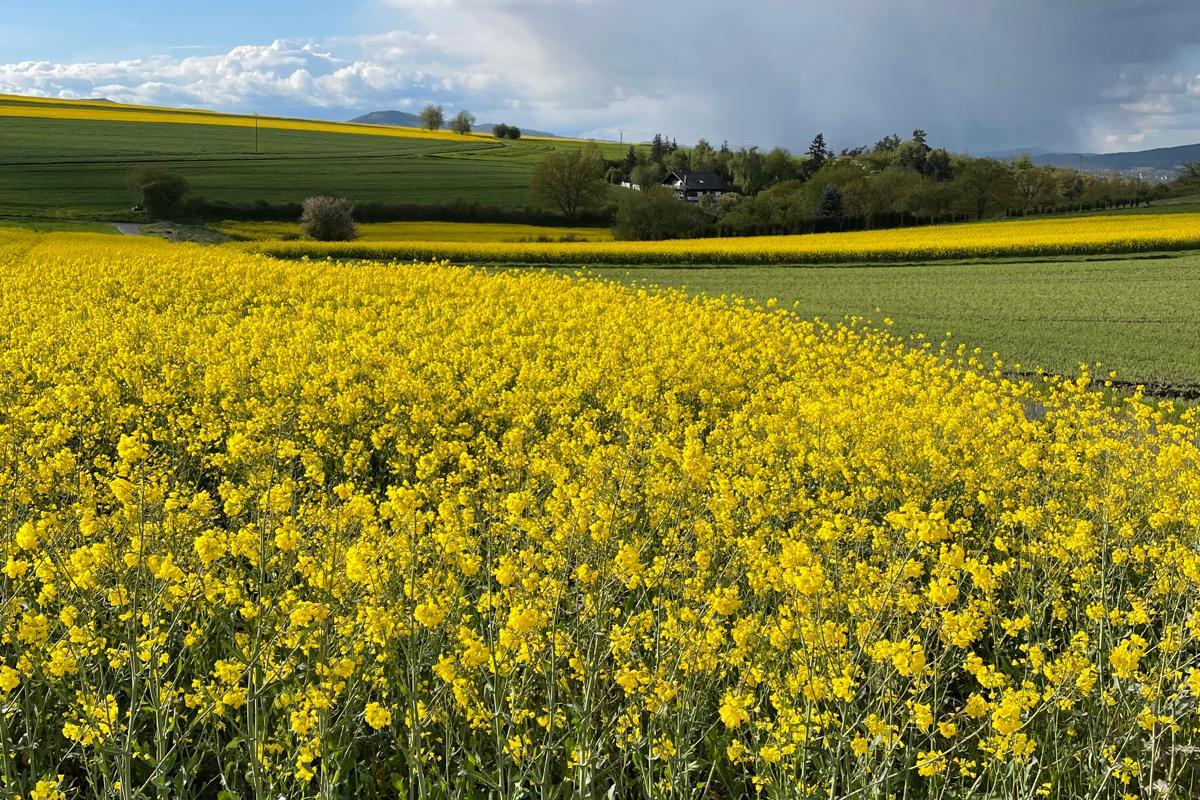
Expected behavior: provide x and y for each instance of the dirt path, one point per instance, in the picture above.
(128, 228)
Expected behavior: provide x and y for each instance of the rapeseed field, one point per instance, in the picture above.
(1094, 235)
(317, 529)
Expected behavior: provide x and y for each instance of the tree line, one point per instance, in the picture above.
(896, 182)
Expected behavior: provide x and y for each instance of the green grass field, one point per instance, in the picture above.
(1139, 316)
(75, 169)
(1187, 204)
(59, 226)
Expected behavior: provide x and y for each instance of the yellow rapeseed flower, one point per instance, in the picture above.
(377, 716)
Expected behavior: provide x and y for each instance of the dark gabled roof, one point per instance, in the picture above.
(699, 181)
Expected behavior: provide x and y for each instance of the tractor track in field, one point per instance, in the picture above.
(472, 152)
(215, 160)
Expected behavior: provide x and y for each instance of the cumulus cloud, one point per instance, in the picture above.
(1146, 107)
(988, 74)
(341, 76)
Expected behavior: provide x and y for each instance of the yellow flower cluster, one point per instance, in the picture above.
(1131, 233)
(285, 529)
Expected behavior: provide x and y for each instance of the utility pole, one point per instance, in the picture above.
(622, 130)
(256, 134)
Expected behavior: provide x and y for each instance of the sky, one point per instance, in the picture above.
(978, 75)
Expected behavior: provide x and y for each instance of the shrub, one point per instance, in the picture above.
(328, 219)
(656, 213)
(502, 131)
(159, 192)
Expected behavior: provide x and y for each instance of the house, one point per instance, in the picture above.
(692, 186)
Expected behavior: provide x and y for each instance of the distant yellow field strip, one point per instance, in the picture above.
(206, 118)
(44, 108)
(18, 100)
(424, 232)
(1053, 236)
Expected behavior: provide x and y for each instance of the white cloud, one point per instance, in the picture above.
(1147, 107)
(351, 75)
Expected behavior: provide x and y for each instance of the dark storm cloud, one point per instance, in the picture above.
(981, 74)
(977, 74)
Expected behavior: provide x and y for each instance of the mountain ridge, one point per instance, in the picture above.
(1163, 159)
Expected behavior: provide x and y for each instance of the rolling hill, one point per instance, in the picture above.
(1161, 158)
(68, 160)
(1016, 152)
(1164, 159)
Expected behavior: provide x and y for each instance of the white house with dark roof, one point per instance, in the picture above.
(692, 186)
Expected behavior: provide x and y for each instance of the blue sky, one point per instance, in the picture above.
(1097, 75)
(74, 30)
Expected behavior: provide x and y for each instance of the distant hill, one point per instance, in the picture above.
(1162, 159)
(404, 119)
(401, 119)
(1016, 152)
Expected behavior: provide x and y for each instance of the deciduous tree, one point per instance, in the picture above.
(647, 175)
(570, 181)
(938, 165)
(702, 156)
(983, 185)
(463, 122)
(779, 166)
(433, 117)
(1033, 186)
(746, 168)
